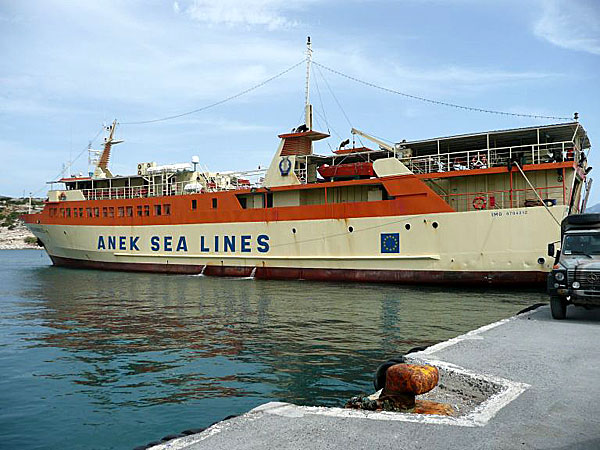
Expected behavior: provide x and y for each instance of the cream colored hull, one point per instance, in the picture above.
(488, 243)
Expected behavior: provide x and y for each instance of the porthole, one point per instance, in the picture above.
(434, 224)
(294, 230)
(350, 229)
(407, 226)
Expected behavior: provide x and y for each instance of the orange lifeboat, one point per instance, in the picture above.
(359, 169)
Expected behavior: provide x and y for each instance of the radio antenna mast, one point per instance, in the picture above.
(307, 105)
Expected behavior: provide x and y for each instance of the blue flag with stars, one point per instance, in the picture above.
(390, 242)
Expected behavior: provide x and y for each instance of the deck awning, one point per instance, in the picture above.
(500, 138)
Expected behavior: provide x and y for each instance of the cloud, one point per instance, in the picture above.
(437, 82)
(124, 60)
(269, 14)
(478, 75)
(570, 24)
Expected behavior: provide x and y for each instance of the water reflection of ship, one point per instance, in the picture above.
(175, 338)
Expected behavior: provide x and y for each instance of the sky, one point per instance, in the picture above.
(69, 67)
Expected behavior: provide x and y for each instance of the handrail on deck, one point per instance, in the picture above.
(494, 157)
(477, 159)
(157, 190)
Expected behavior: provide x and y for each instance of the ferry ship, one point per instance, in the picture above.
(479, 208)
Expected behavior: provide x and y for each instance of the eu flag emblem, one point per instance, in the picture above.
(390, 242)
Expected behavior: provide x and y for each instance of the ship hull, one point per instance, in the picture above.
(499, 247)
(505, 278)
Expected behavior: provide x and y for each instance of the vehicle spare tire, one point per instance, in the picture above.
(583, 219)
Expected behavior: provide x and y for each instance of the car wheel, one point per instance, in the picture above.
(558, 306)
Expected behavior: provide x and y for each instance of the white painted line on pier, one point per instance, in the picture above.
(186, 441)
(474, 334)
(479, 417)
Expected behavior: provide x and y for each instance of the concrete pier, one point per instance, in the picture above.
(528, 382)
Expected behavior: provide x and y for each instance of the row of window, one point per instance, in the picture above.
(109, 211)
(213, 203)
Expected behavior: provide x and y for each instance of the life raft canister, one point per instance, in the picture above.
(479, 203)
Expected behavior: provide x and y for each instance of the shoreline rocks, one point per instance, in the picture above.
(15, 239)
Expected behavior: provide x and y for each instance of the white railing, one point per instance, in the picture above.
(493, 157)
(443, 162)
(472, 159)
(159, 189)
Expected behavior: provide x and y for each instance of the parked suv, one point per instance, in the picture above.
(575, 278)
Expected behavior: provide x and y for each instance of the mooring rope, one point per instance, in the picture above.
(536, 192)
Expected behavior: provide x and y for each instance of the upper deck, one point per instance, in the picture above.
(532, 145)
(459, 169)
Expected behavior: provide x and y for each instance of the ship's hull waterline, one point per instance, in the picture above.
(489, 247)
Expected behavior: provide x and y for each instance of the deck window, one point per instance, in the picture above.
(68, 212)
(157, 210)
(104, 211)
(80, 212)
(75, 212)
(146, 210)
(214, 203)
(96, 212)
(121, 211)
(89, 212)
(194, 204)
(51, 211)
(111, 211)
(167, 209)
(139, 210)
(129, 210)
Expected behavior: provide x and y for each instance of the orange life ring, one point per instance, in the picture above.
(62, 196)
(479, 203)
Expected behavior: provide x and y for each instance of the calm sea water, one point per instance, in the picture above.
(102, 360)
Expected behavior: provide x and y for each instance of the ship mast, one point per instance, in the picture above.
(308, 116)
(102, 169)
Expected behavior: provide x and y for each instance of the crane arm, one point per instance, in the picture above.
(383, 145)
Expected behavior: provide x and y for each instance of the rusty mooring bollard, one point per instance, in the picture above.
(403, 382)
(412, 379)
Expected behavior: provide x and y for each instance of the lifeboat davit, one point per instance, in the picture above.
(359, 169)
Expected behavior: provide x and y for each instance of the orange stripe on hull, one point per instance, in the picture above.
(413, 196)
